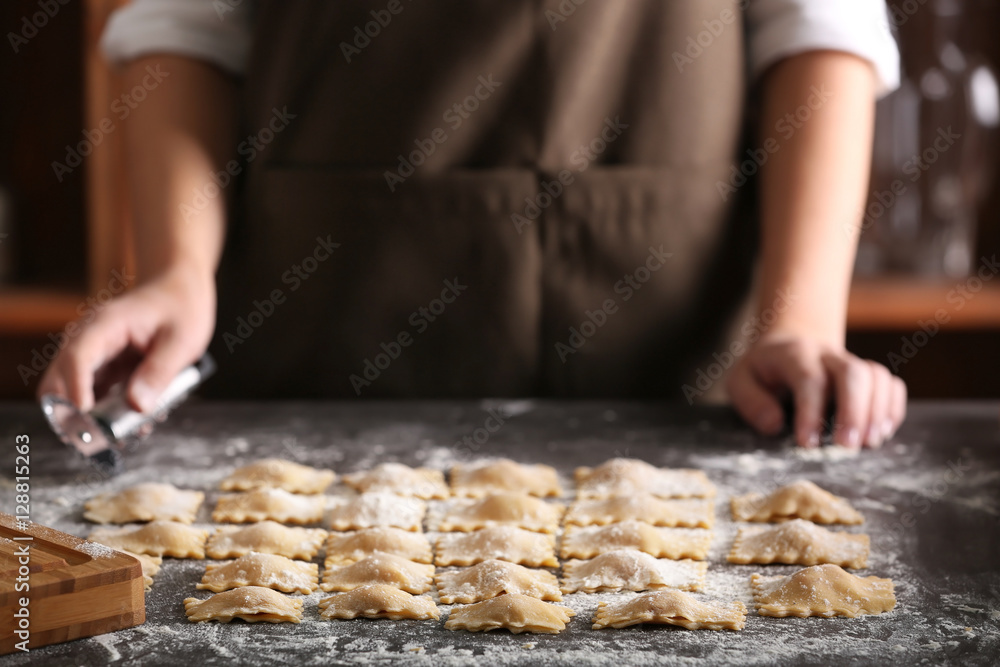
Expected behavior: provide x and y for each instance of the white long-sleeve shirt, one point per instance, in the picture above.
(220, 32)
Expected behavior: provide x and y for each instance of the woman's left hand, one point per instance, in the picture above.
(871, 401)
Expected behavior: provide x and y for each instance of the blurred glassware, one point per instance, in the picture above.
(935, 149)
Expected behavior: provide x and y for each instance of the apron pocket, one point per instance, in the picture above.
(430, 292)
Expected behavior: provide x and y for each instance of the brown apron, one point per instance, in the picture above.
(504, 181)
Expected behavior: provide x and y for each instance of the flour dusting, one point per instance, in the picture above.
(946, 619)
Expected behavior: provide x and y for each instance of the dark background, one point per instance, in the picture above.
(46, 250)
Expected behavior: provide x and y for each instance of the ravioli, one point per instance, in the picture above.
(513, 612)
(642, 507)
(380, 568)
(512, 508)
(378, 509)
(157, 538)
(267, 537)
(257, 569)
(400, 479)
(670, 607)
(253, 604)
(508, 543)
(278, 474)
(492, 578)
(350, 547)
(631, 570)
(501, 475)
(269, 504)
(822, 590)
(623, 476)
(799, 500)
(379, 601)
(151, 501)
(799, 542)
(676, 543)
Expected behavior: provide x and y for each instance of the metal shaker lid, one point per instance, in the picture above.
(77, 429)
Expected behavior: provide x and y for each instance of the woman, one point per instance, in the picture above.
(521, 198)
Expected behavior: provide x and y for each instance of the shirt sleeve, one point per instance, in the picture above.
(781, 28)
(216, 31)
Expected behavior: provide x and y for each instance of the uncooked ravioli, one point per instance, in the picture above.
(151, 501)
(511, 611)
(253, 604)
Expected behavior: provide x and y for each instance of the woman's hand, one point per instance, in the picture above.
(156, 329)
(871, 402)
(812, 192)
(173, 148)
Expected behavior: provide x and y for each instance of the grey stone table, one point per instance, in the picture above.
(930, 498)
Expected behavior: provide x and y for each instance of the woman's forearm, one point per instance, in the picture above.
(814, 186)
(177, 139)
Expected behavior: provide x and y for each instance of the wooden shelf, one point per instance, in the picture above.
(896, 304)
(37, 311)
(875, 305)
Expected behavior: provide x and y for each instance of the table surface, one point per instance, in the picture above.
(930, 499)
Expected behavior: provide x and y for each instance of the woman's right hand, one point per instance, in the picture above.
(164, 325)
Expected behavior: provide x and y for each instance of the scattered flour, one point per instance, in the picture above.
(826, 453)
(107, 642)
(922, 628)
(95, 550)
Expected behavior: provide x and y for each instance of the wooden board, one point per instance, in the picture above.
(75, 588)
